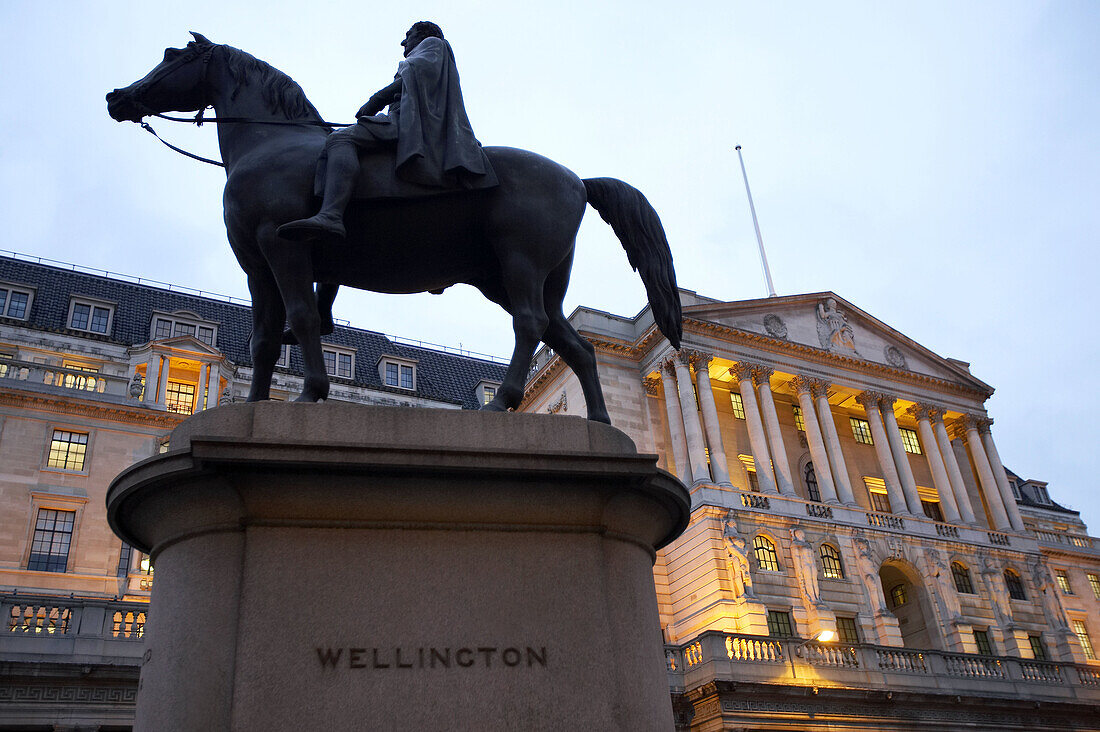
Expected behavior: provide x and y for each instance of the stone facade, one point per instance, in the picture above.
(845, 479)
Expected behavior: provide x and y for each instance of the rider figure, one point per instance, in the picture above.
(427, 124)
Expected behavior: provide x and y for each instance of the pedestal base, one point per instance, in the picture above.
(332, 566)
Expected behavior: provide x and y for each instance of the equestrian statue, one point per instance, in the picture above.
(402, 202)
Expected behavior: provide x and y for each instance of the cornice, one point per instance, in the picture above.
(112, 412)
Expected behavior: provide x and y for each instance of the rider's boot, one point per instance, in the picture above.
(340, 178)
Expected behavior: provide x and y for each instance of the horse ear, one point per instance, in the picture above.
(202, 39)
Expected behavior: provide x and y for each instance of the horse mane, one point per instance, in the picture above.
(280, 92)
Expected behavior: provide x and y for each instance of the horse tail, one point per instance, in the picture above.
(642, 236)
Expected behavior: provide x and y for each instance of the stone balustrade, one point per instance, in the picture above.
(1078, 542)
(43, 377)
(66, 630)
(791, 661)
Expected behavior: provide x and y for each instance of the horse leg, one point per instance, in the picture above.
(326, 296)
(293, 269)
(267, 324)
(577, 353)
(523, 287)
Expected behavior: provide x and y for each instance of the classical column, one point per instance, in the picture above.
(204, 383)
(718, 466)
(152, 367)
(869, 400)
(693, 430)
(820, 391)
(901, 458)
(1000, 475)
(771, 424)
(214, 383)
(162, 392)
(958, 485)
(921, 412)
(968, 424)
(802, 389)
(743, 373)
(675, 421)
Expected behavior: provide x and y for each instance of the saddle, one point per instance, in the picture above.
(378, 180)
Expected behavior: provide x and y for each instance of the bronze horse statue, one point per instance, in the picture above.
(513, 242)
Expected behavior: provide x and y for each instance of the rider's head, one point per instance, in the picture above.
(419, 31)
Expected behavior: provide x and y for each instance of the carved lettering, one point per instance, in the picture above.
(429, 657)
(488, 654)
(467, 653)
(353, 657)
(376, 663)
(511, 656)
(444, 658)
(328, 658)
(533, 655)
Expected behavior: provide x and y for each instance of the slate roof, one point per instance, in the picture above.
(1026, 499)
(441, 376)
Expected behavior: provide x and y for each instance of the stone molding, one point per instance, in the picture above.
(652, 386)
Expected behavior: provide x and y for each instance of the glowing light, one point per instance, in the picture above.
(827, 636)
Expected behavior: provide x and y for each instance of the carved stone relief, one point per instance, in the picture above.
(833, 330)
(895, 357)
(774, 326)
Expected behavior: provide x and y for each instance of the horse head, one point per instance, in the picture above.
(178, 83)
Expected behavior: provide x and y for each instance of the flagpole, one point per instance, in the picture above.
(756, 225)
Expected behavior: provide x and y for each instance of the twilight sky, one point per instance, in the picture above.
(934, 163)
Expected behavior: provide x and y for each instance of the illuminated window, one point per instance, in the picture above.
(1038, 650)
(1094, 583)
(488, 394)
(1083, 637)
(754, 482)
(14, 303)
(981, 639)
(180, 397)
(53, 533)
(898, 596)
(76, 381)
(1063, 581)
(67, 450)
(909, 440)
(1014, 585)
(876, 491)
(779, 624)
(861, 430)
(809, 475)
(124, 558)
(831, 565)
(765, 553)
(3, 366)
(962, 578)
(847, 630)
(90, 317)
(932, 510)
(737, 405)
(799, 422)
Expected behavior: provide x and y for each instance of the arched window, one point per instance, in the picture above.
(1015, 586)
(810, 476)
(898, 597)
(831, 565)
(764, 550)
(962, 578)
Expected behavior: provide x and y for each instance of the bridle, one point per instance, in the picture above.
(199, 119)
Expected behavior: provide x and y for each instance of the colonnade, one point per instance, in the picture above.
(695, 432)
(157, 366)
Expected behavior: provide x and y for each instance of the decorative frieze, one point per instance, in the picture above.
(652, 385)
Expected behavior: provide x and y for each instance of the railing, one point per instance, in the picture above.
(56, 377)
(71, 629)
(885, 521)
(947, 530)
(998, 538)
(755, 500)
(1084, 542)
(745, 658)
(818, 511)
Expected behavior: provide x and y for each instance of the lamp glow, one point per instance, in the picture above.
(826, 636)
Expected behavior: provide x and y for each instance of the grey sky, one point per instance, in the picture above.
(934, 163)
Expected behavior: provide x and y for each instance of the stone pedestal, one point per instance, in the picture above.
(334, 566)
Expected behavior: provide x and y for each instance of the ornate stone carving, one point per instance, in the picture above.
(685, 356)
(805, 567)
(226, 397)
(561, 405)
(833, 330)
(652, 385)
(869, 399)
(136, 386)
(669, 366)
(774, 326)
(895, 357)
(1044, 583)
(984, 425)
(993, 579)
(966, 423)
(737, 561)
(942, 584)
(802, 384)
(700, 360)
(819, 388)
(762, 374)
(886, 402)
(741, 370)
(867, 569)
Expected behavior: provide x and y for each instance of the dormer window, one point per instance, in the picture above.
(339, 362)
(487, 391)
(397, 372)
(15, 302)
(93, 316)
(183, 323)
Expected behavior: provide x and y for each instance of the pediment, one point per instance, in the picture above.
(826, 322)
(186, 343)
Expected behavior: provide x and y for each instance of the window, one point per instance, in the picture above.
(284, 357)
(962, 578)
(124, 560)
(67, 450)
(90, 316)
(932, 510)
(339, 363)
(399, 374)
(861, 430)
(206, 335)
(488, 394)
(3, 366)
(831, 565)
(53, 533)
(163, 329)
(1094, 583)
(1083, 637)
(1015, 586)
(898, 596)
(876, 491)
(184, 323)
(981, 640)
(737, 405)
(184, 329)
(14, 303)
(754, 482)
(1063, 581)
(779, 624)
(909, 441)
(180, 397)
(1041, 495)
(799, 422)
(1037, 648)
(847, 630)
(766, 557)
(810, 476)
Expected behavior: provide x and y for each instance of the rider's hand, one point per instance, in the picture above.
(367, 110)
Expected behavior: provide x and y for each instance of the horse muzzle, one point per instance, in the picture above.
(122, 107)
